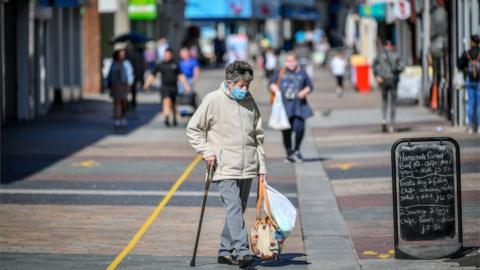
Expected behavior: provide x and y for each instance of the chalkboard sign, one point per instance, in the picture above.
(426, 197)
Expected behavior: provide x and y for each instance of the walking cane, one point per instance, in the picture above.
(207, 186)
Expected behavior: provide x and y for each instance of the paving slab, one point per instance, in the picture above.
(327, 242)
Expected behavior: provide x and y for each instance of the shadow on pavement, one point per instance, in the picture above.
(470, 256)
(29, 147)
(316, 159)
(286, 259)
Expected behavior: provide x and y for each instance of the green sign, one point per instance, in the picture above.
(376, 11)
(142, 10)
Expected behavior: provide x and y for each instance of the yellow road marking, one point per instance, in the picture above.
(86, 164)
(383, 256)
(154, 214)
(391, 252)
(370, 252)
(344, 166)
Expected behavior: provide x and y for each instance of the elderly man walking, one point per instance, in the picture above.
(227, 131)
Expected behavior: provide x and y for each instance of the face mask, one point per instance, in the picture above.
(238, 93)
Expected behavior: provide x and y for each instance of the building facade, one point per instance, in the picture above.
(41, 56)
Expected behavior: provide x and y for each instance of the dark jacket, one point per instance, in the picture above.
(388, 66)
(463, 61)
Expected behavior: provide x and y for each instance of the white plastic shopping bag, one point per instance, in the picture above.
(278, 116)
(283, 211)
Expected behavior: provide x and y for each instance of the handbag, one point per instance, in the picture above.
(266, 239)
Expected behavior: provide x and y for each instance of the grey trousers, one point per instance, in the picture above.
(389, 99)
(234, 236)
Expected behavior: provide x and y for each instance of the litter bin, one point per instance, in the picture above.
(362, 78)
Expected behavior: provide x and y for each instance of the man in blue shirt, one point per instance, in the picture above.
(189, 67)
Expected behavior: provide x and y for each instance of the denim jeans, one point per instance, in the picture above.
(473, 105)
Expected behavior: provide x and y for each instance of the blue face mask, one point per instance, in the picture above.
(238, 93)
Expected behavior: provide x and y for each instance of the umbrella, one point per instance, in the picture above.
(133, 37)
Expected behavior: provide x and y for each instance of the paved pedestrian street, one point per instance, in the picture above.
(77, 194)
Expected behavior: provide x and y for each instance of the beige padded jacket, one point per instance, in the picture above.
(230, 130)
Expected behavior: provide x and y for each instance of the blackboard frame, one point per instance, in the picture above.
(399, 253)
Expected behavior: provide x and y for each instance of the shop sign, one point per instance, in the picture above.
(376, 11)
(143, 10)
(402, 9)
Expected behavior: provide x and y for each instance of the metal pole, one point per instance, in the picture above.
(426, 46)
(453, 60)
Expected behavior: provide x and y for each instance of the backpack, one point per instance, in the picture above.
(473, 67)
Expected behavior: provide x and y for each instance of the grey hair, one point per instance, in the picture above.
(239, 71)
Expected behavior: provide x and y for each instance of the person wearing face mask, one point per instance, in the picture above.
(226, 130)
(293, 83)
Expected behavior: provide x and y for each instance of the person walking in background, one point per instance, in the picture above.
(189, 67)
(253, 50)
(323, 48)
(293, 83)
(226, 130)
(137, 59)
(150, 55)
(469, 62)
(162, 46)
(120, 80)
(338, 66)
(219, 49)
(303, 52)
(387, 67)
(170, 73)
(270, 63)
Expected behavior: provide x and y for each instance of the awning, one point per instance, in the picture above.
(62, 3)
(302, 13)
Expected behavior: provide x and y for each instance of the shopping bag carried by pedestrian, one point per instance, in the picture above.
(266, 239)
(283, 211)
(278, 116)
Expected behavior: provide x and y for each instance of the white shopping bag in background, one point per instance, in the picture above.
(278, 117)
(283, 211)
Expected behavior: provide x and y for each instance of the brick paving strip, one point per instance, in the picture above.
(154, 215)
(81, 206)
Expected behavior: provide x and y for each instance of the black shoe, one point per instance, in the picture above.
(245, 261)
(230, 260)
(167, 123)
